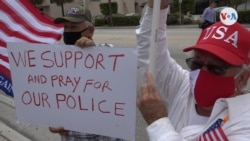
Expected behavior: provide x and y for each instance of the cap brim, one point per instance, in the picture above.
(219, 52)
(70, 19)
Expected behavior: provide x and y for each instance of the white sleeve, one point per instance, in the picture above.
(166, 70)
(143, 33)
(162, 130)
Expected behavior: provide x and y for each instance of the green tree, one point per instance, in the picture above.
(37, 2)
(61, 2)
(186, 5)
(105, 8)
(235, 3)
(108, 9)
(110, 13)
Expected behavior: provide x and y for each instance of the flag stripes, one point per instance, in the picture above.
(214, 133)
(21, 21)
(24, 23)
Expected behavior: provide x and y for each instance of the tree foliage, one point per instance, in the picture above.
(60, 2)
(235, 3)
(186, 5)
(37, 2)
(105, 8)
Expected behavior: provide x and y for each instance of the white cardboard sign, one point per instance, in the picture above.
(91, 90)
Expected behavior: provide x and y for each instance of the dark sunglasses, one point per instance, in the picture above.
(215, 69)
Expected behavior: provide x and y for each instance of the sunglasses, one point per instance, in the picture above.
(215, 69)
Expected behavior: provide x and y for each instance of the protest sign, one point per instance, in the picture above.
(91, 90)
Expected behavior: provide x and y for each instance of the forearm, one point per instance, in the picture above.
(164, 4)
(144, 34)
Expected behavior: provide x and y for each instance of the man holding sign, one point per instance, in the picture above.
(209, 101)
(78, 30)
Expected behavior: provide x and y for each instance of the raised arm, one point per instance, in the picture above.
(164, 3)
(150, 103)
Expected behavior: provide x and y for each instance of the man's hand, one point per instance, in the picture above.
(164, 3)
(150, 102)
(59, 130)
(84, 42)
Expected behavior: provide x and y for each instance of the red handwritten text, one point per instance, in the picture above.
(60, 80)
(71, 59)
(38, 99)
(97, 85)
(38, 79)
(71, 102)
(26, 58)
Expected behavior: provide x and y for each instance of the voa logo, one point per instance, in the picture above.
(228, 16)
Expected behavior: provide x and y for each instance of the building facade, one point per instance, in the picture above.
(124, 6)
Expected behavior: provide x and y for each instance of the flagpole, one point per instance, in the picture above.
(153, 41)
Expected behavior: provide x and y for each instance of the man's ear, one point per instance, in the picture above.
(243, 79)
(245, 76)
(91, 31)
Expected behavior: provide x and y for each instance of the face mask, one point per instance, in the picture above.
(207, 87)
(70, 38)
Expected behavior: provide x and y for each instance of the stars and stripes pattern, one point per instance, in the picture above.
(214, 132)
(21, 21)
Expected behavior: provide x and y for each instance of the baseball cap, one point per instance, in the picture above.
(75, 14)
(230, 43)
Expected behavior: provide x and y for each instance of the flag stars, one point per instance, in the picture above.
(214, 126)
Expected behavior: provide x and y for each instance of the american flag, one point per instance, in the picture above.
(214, 133)
(21, 21)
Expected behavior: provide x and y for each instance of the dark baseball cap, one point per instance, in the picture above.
(75, 14)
